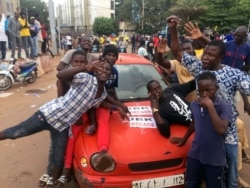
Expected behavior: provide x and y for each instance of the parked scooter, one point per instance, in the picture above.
(12, 73)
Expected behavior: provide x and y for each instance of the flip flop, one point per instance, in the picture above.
(62, 181)
(50, 182)
(246, 159)
(43, 180)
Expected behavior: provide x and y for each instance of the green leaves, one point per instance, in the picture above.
(103, 26)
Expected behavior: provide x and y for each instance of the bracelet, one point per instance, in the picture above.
(155, 110)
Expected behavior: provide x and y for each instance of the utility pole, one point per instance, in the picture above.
(52, 21)
(142, 22)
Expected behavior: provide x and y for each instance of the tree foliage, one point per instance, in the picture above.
(188, 9)
(216, 14)
(103, 26)
(34, 7)
(224, 15)
(148, 15)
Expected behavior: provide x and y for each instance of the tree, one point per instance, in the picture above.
(35, 7)
(189, 9)
(148, 15)
(103, 26)
(218, 15)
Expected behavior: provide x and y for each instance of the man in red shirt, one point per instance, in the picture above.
(156, 41)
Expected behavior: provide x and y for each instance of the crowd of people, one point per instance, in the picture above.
(19, 32)
(217, 74)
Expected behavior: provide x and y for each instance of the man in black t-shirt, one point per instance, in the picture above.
(170, 106)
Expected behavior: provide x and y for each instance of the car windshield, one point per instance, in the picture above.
(133, 79)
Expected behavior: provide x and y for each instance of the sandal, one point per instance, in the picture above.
(61, 181)
(91, 129)
(50, 182)
(43, 180)
(246, 159)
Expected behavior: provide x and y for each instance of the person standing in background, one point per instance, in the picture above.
(25, 36)
(6, 22)
(14, 28)
(33, 33)
(44, 35)
(3, 38)
(133, 43)
(39, 35)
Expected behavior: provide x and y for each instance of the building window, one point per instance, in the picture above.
(112, 5)
(112, 15)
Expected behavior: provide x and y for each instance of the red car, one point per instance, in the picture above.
(142, 157)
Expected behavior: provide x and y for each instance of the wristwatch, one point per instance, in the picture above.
(155, 110)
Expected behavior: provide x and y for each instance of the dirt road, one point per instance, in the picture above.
(23, 161)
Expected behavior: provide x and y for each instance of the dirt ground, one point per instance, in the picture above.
(24, 160)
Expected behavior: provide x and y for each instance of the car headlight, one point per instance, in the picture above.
(102, 162)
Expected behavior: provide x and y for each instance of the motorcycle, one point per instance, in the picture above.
(12, 73)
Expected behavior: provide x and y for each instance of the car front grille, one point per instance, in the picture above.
(155, 165)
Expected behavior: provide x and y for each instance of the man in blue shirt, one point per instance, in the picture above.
(238, 51)
(229, 80)
(211, 117)
(238, 56)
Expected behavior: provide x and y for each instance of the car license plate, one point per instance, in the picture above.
(161, 182)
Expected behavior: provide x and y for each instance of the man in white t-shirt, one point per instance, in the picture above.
(142, 51)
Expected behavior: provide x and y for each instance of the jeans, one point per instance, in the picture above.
(232, 169)
(3, 49)
(27, 42)
(37, 123)
(35, 45)
(9, 39)
(196, 171)
(57, 151)
(15, 41)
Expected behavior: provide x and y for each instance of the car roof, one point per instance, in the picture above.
(126, 58)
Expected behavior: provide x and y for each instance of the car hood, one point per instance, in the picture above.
(135, 141)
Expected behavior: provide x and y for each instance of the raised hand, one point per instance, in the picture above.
(95, 66)
(193, 31)
(154, 100)
(173, 21)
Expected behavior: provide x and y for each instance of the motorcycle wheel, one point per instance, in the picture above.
(33, 77)
(5, 82)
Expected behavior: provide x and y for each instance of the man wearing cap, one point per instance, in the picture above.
(103, 160)
(33, 34)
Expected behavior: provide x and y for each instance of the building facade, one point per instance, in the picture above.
(8, 7)
(79, 15)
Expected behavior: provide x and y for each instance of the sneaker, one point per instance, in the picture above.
(102, 161)
(242, 183)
